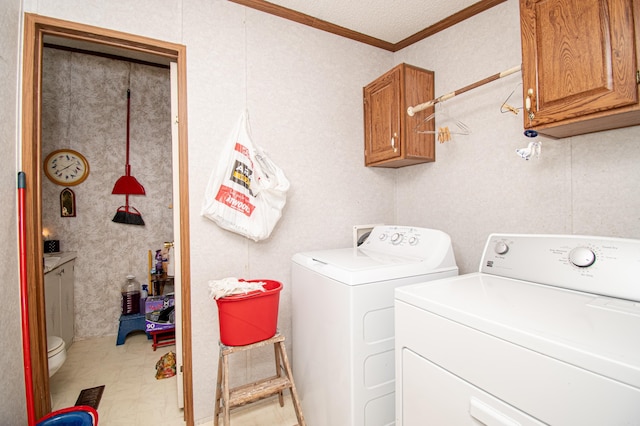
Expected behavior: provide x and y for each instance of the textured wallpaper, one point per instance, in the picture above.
(84, 108)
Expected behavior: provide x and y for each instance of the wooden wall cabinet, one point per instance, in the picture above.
(59, 300)
(580, 65)
(390, 136)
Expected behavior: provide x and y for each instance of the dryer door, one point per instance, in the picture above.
(433, 396)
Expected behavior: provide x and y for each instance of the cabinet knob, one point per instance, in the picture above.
(393, 142)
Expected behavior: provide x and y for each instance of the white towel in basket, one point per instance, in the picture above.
(231, 285)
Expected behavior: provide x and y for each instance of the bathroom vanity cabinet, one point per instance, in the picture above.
(580, 62)
(391, 138)
(59, 299)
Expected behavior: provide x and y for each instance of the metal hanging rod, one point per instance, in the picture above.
(412, 110)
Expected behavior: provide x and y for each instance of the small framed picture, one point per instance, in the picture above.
(67, 203)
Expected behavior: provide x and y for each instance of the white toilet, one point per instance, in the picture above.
(56, 353)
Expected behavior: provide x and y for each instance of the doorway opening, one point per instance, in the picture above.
(37, 29)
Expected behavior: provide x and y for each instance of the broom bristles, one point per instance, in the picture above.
(128, 218)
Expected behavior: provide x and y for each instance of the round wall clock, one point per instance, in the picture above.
(66, 167)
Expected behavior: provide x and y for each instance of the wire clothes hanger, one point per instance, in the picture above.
(505, 107)
(443, 133)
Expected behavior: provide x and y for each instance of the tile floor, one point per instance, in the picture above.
(132, 395)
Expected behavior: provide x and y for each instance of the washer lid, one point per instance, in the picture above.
(356, 266)
(597, 333)
(54, 345)
(357, 260)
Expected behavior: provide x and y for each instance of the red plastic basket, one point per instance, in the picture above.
(249, 318)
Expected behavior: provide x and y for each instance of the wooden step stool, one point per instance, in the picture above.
(166, 337)
(227, 398)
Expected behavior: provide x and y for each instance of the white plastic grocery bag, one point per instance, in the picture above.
(247, 191)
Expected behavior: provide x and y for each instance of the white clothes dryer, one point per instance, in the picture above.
(343, 321)
(546, 333)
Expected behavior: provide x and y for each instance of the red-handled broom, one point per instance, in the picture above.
(24, 303)
(128, 185)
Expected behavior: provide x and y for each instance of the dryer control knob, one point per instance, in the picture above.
(396, 238)
(501, 247)
(582, 257)
(413, 241)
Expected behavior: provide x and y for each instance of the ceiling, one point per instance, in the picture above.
(388, 20)
(388, 24)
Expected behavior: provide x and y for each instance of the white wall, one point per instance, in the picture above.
(478, 185)
(303, 89)
(12, 394)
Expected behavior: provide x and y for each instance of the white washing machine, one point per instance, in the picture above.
(343, 321)
(547, 332)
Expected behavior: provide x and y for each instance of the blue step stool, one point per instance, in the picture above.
(129, 323)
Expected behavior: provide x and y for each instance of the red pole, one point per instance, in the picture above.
(26, 341)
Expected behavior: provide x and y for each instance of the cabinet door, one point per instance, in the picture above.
(578, 57)
(52, 302)
(382, 110)
(66, 303)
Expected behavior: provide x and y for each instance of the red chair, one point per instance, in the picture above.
(81, 415)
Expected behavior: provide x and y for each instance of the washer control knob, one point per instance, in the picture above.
(396, 238)
(383, 237)
(413, 241)
(582, 257)
(501, 247)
